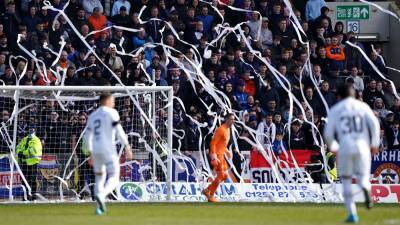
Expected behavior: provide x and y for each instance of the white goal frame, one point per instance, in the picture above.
(153, 89)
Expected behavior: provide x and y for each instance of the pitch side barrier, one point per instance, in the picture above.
(252, 192)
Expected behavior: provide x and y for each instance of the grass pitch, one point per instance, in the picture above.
(194, 214)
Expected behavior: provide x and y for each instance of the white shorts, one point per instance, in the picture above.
(354, 164)
(105, 163)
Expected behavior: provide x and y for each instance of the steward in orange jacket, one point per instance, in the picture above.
(97, 21)
(336, 54)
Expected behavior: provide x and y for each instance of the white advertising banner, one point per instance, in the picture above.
(251, 192)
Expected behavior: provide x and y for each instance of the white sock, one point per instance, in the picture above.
(348, 197)
(99, 185)
(112, 169)
(111, 184)
(363, 182)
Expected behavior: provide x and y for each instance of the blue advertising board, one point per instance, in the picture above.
(385, 167)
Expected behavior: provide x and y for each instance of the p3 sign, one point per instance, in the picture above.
(385, 193)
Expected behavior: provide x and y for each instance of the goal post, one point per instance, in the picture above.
(57, 116)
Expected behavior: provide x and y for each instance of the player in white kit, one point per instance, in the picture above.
(353, 127)
(103, 128)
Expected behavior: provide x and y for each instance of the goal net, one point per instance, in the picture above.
(57, 116)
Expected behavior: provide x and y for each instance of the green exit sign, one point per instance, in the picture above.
(351, 12)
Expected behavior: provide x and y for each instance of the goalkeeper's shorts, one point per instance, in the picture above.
(222, 165)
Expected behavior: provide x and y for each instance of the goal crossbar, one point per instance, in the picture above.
(87, 88)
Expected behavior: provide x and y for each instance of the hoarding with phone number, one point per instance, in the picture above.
(245, 192)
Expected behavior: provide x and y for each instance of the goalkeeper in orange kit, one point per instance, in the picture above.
(218, 149)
